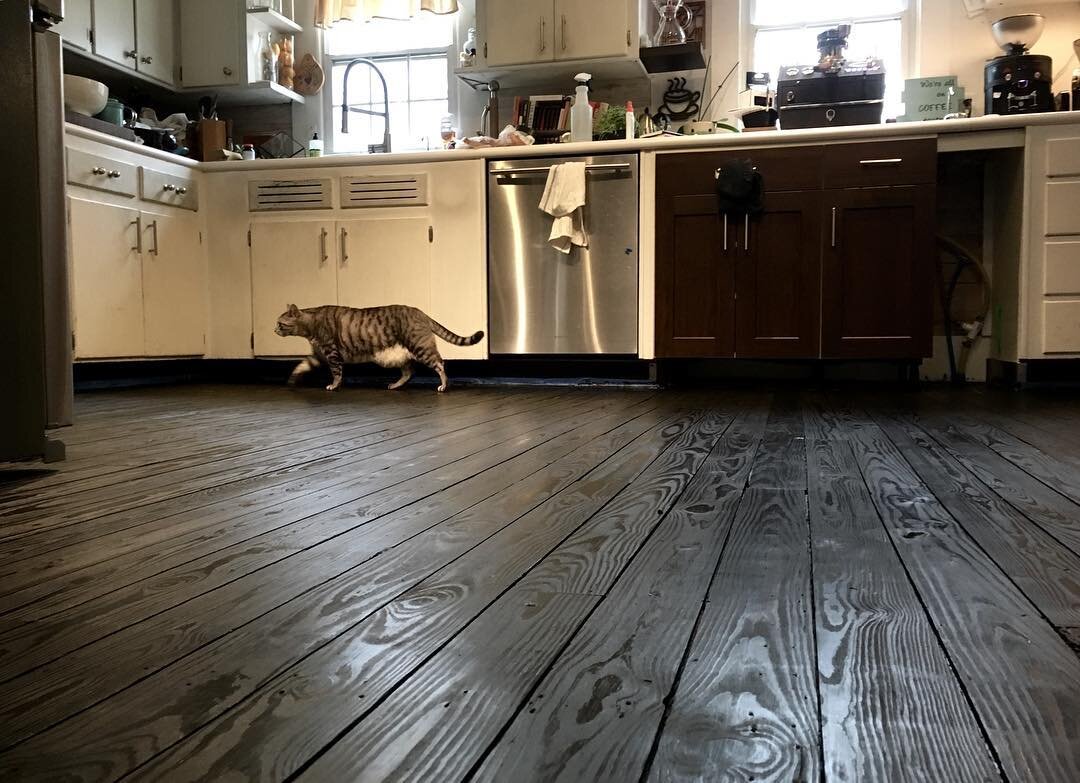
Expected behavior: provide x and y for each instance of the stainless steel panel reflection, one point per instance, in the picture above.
(544, 302)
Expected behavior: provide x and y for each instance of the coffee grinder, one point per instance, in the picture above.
(1018, 82)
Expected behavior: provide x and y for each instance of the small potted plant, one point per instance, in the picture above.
(610, 124)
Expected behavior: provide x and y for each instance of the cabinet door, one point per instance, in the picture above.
(695, 279)
(106, 280)
(778, 278)
(383, 261)
(174, 285)
(877, 281)
(211, 51)
(114, 31)
(519, 31)
(599, 28)
(155, 33)
(291, 263)
(76, 29)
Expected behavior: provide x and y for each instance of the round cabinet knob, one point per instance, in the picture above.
(181, 191)
(132, 55)
(168, 187)
(114, 174)
(227, 71)
(98, 170)
(147, 60)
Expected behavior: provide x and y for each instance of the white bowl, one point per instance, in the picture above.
(84, 96)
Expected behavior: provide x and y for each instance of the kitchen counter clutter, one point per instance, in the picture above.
(840, 266)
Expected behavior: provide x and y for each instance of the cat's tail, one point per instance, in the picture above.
(454, 339)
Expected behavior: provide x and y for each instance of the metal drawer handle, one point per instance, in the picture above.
(323, 255)
(725, 232)
(344, 246)
(154, 249)
(543, 37)
(882, 162)
(137, 222)
(563, 34)
(834, 226)
(746, 232)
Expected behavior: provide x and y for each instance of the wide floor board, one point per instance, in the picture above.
(256, 583)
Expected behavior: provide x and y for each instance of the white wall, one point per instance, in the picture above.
(951, 43)
(307, 118)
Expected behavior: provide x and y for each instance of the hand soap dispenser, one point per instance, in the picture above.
(581, 112)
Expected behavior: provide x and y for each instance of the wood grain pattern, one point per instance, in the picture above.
(1021, 676)
(891, 708)
(746, 703)
(111, 740)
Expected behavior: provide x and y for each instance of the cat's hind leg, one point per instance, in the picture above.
(406, 374)
(426, 352)
(302, 369)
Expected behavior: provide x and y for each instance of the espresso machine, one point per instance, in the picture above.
(1018, 82)
(834, 91)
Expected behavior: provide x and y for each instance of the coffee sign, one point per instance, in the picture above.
(931, 98)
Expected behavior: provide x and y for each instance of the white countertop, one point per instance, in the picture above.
(975, 125)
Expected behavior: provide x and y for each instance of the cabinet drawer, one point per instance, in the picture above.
(101, 173)
(169, 189)
(874, 164)
(1061, 327)
(1062, 216)
(1061, 270)
(693, 173)
(1063, 157)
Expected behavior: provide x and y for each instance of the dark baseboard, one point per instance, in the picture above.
(1034, 373)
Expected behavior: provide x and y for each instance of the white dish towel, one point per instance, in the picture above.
(564, 200)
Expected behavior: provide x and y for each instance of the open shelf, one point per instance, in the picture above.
(253, 94)
(557, 72)
(676, 57)
(277, 22)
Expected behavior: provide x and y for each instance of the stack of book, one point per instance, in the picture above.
(547, 117)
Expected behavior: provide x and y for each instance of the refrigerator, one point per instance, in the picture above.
(36, 393)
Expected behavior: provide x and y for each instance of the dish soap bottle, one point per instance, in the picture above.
(581, 112)
(315, 146)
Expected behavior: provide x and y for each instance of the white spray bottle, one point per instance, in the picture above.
(581, 111)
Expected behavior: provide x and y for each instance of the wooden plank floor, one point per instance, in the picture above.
(257, 583)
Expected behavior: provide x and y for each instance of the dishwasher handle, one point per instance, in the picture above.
(545, 169)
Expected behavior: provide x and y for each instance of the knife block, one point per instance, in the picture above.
(211, 136)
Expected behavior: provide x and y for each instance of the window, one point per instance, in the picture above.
(785, 33)
(413, 57)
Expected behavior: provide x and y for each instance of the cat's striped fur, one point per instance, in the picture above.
(390, 336)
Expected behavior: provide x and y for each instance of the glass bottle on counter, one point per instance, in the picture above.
(268, 59)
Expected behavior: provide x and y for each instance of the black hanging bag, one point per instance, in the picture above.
(739, 189)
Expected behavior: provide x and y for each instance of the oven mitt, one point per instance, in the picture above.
(739, 188)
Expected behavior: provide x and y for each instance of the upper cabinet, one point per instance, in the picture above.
(114, 32)
(155, 34)
(139, 35)
(210, 54)
(517, 34)
(77, 29)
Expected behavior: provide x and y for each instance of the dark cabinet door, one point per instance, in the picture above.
(695, 279)
(877, 272)
(778, 279)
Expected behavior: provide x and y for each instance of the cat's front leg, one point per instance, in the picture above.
(334, 362)
(302, 369)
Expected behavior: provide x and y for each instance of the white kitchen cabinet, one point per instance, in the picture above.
(114, 32)
(106, 273)
(155, 38)
(173, 284)
(519, 31)
(599, 28)
(211, 43)
(291, 263)
(384, 261)
(77, 29)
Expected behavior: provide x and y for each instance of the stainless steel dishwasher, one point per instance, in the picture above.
(542, 301)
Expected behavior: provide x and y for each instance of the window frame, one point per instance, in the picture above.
(332, 117)
(908, 38)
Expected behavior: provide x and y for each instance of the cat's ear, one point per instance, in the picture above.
(293, 310)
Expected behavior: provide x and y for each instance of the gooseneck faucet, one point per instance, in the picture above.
(346, 108)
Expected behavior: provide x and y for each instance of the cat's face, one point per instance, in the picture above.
(289, 323)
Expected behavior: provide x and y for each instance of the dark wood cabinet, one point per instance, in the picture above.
(831, 269)
(777, 279)
(696, 317)
(877, 273)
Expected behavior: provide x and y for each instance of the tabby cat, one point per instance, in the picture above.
(390, 336)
